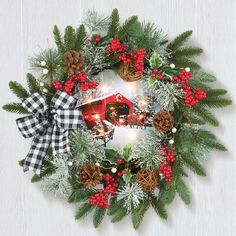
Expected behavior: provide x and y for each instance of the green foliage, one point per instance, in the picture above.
(80, 37)
(127, 28)
(111, 155)
(182, 190)
(204, 114)
(15, 108)
(215, 102)
(98, 216)
(113, 23)
(120, 213)
(69, 38)
(81, 194)
(188, 52)
(33, 84)
(216, 92)
(83, 211)
(179, 40)
(58, 39)
(193, 164)
(181, 55)
(167, 193)
(127, 176)
(127, 151)
(147, 35)
(138, 213)
(18, 90)
(95, 21)
(158, 206)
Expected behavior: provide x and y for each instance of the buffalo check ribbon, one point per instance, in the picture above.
(48, 125)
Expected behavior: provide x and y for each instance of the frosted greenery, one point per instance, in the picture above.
(167, 94)
(84, 148)
(57, 183)
(146, 151)
(131, 194)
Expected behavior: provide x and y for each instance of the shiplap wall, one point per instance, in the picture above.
(25, 27)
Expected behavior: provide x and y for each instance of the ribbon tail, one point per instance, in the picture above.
(38, 150)
(60, 141)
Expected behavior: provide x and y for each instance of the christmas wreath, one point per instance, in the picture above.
(73, 120)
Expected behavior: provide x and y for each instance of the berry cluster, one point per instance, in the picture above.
(136, 57)
(165, 168)
(69, 85)
(100, 198)
(157, 75)
(116, 45)
(192, 97)
(98, 39)
(182, 78)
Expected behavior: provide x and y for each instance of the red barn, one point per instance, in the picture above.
(110, 107)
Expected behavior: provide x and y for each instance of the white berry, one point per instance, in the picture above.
(174, 130)
(97, 164)
(171, 141)
(113, 170)
(45, 71)
(187, 69)
(172, 66)
(45, 90)
(43, 63)
(69, 163)
(41, 84)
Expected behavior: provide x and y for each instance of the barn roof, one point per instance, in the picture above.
(101, 98)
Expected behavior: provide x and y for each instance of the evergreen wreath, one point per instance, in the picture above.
(150, 172)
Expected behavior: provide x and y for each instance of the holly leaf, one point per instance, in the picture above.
(169, 71)
(127, 176)
(152, 80)
(155, 61)
(112, 155)
(127, 150)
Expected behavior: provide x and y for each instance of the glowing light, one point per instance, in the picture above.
(132, 136)
(105, 88)
(112, 108)
(96, 116)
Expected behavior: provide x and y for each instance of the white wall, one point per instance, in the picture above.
(25, 26)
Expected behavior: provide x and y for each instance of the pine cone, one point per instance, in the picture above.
(148, 179)
(90, 175)
(163, 121)
(74, 62)
(128, 72)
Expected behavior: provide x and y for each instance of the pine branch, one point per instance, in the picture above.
(114, 207)
(205, 115)
(138, 213)
(183, 62)
(187, 52)
(179, 41)
(69, 38)
(203, 77)
(114, 23)
(18, 90)
(193, 164)
(183, 191)
(83, 211)
(98, 216)
(167, 194)
(58, 39)
(216, 92)
(216, 102)
(159, 207)
(80, 37)
(120, 213)
(15, 108)
(81, 195)
(127, 28)
(32, 84)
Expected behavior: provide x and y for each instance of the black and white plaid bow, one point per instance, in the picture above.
(48, 125)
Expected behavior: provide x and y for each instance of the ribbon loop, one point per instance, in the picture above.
(48, 125)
